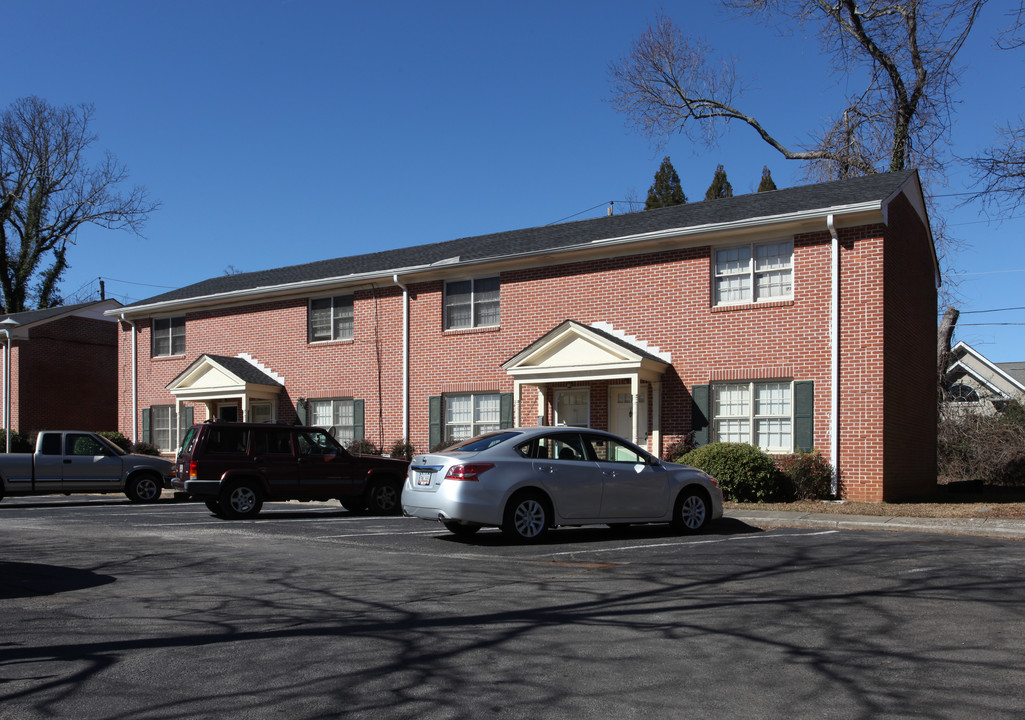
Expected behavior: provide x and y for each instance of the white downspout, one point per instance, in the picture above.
(135, 379)
(834, 343)
(405, 358)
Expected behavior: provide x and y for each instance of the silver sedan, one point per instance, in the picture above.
(527, 480)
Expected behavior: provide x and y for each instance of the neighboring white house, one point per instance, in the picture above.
(978, 385)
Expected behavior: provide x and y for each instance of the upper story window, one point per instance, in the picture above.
(168, 336)
(331, 318)
(472, 303)
(754, 273)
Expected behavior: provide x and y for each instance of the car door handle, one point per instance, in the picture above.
(67, 461)
(546, 468)
(609, 473)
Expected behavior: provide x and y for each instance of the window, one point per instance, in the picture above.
(338, 414)
(472, 303)
(469, 415)
(610, 450)
(757, 413)
(168, 336)
(85, 445)
(331, 318)
(962, 393)
(754, 273)
(162, 419)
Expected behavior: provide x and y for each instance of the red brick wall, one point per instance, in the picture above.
(64, 376)
(662, 298)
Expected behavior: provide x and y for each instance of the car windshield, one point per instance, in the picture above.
(482, 442)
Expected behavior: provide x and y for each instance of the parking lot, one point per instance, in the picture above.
(113, 610)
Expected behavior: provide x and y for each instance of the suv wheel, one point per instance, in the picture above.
(241, 500)
(385, 497)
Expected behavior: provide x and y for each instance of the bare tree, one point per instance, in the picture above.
(901, 52)
(1000, 168)
(49, 189)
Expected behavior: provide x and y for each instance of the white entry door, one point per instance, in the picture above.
(621, 412)
(573, 407)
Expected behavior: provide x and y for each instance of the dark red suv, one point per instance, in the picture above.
(236, 467)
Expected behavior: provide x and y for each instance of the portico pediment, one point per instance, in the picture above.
(217, 376)
(574, 351)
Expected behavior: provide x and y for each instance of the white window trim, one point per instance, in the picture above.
(751, 273)
(475, 422)
(752, 418)
(170, 336)
(473, 303)
(333, 299)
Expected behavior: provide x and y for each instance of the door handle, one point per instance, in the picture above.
(609, 473)
(546, 468)
(67, 461)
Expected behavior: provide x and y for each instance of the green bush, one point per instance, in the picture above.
(809, 475)
(745, 473)
(402, 450)
(19, 443)
(145, 448)
(362, 447)
(117, 438)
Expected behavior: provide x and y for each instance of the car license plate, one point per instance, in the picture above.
(423, 478)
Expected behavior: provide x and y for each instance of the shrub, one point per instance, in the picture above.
(19, 443)
(809, 475)
(745, 473)
(990, 448)
(403, 450)
(117, 438)
(679, 448)
(145, 448)
(362, 446)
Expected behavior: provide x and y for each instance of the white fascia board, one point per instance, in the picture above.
(272, 291)
(985, 362)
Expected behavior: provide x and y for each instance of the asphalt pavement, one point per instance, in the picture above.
(982, 526)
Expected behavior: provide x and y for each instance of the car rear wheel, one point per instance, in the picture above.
(214, 506)
(354, 506)
(241, 500)
(144, 488)
(385, 497)
(691, 513)
(527, 517)
(460, 529)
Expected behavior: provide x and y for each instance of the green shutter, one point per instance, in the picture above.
(804, 416)
(145, 425)
(358, 423)
(506, 413)
(434, 422)
(699, 414)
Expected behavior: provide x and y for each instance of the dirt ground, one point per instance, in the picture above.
(948, 501)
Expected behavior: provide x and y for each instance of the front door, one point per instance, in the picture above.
(89, 466)
(621, 413)
(573, 407)
(325, 469)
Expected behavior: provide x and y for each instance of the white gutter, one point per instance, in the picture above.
(405, 358)
(135, 379)
(834, 343)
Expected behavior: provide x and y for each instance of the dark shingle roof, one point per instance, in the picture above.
(854, 191)
(33, 316)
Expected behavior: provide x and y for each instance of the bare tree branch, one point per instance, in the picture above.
(48, 190)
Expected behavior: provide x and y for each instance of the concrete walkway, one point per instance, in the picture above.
(986, 527)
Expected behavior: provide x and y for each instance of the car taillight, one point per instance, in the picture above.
(192, 470)
(468, 471)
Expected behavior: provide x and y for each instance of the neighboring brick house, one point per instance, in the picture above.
(794, 319)
(63, 368)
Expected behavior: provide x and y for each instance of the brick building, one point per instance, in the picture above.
(794, 319)
(63, 368)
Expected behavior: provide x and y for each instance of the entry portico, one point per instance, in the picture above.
(574, 353)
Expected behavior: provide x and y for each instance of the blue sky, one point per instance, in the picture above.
(277, 132)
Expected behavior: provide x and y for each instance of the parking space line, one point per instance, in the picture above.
(681, 543)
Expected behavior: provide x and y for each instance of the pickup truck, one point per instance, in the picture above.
(74, 461)
(235, 467)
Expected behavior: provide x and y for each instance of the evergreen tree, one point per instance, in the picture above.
(666, 190)
(766, 184)
(720, 187)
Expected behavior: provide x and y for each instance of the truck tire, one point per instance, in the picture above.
(241, 500)
(144, 488)
(384, 496)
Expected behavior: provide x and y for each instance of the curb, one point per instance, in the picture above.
(984, 527)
